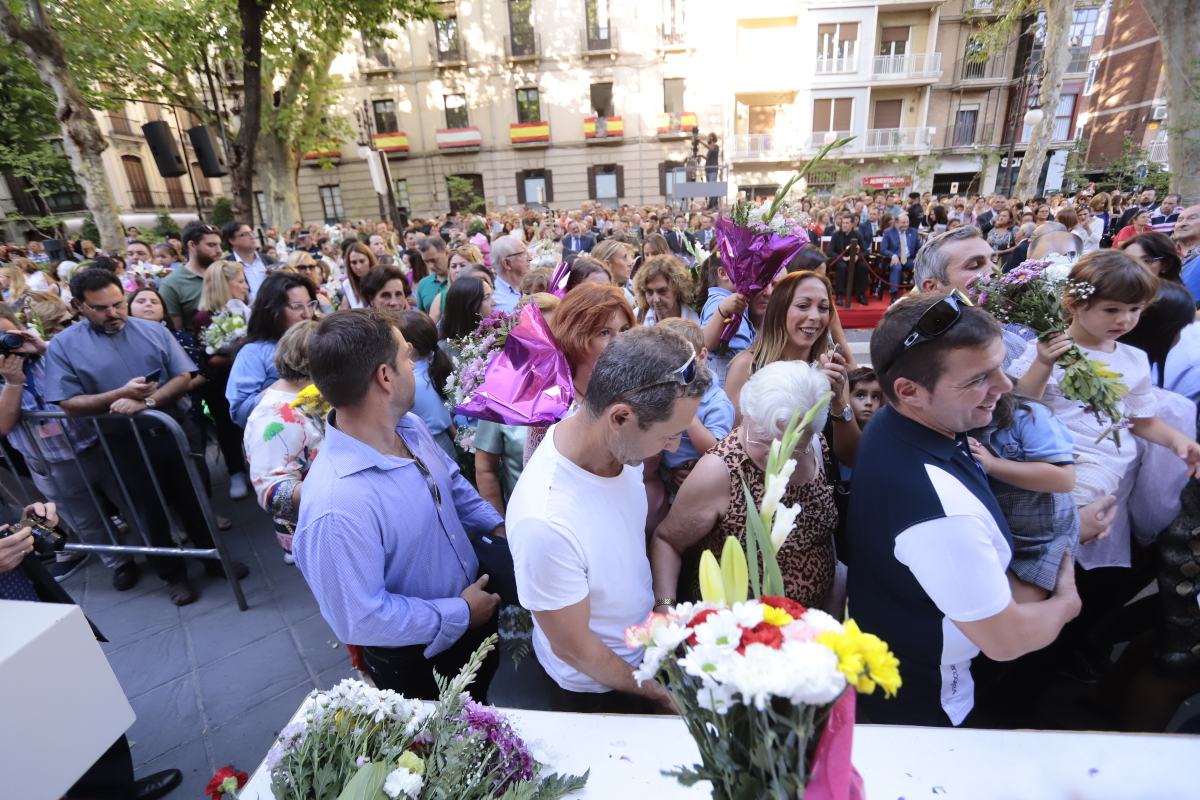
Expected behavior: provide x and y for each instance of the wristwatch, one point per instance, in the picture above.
(846, 416)
(150, 402)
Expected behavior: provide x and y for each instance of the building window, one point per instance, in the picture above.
(837, 47)
(456, 111)
(139, 187)
(893, 41)
(152, 110)
(466, 194)
(1064, 116)
(385, 116)
(535, 186)
(520, 27)
(673, 21)
(599, 34)
(260, 203)
(606, 183)
(529, 106)
(974, 69)
(377, 53)
(668, 171)
(331, 203)
(203, 187)
(1083, 27)
(448, 45)
(673, 95)
(175, 195)
(119, 121)
(762, 119)
(821, 181)
(964, 127)
(832, 114)
(602, 99)
(401, 194)
(1093, 66)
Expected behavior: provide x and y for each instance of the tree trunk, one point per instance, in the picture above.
(1181, 60)
(279, 180)
(251, 13)
(1055, 56)
(82, 140)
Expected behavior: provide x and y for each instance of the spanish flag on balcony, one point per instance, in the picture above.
(527, 132)
(682, 122)
(327, 149)
(392, 142)
(613, 126)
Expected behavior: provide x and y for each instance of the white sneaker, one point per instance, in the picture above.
(238, 486)
(288, 558)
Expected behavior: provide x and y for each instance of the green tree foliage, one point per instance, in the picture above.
(463, 198)
(165, 226)
(222, 211)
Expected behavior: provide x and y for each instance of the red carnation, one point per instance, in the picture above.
(218, 786)
(762, 633)
(785, 604)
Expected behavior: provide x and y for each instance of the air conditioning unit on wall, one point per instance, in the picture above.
(1158, 113)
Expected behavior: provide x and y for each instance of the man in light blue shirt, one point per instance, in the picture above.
(510, 260)
(384, 538)
(243, 248)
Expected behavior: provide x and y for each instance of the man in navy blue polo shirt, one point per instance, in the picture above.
(929, 545)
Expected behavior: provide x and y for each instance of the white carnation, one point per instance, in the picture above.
(708, 663)
(720, 630)
(402, 783)
(822, 622)
(815, 677)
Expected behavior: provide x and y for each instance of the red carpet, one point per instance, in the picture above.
(864, 316)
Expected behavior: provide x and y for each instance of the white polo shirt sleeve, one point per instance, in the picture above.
(956, 562)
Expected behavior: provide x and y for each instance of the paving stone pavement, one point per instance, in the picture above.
(212, 685)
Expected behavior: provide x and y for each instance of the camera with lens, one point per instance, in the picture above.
(11, 342)
(46, 540)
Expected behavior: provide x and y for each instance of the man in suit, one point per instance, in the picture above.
(674, 235)
(845, 254)
(984, 220)
(706, 236)
(899, 248)
(577, 242)
(869, 229)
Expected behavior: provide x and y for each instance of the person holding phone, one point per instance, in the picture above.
(116, 364)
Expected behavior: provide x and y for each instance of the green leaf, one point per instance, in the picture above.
(752, 543)
(367, 783)
(811, 414)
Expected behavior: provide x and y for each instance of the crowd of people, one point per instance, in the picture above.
(950, 495)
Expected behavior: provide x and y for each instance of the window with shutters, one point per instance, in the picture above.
(203, 187)
(964, 126)
(175, 193)
(893, 40)
(456, 111)
(152, 110)
(837, 47)
(139, 187)
(602, 99)
(385, 116)
(331, 203)
(529, 105)
(606, 183)
(832, 114)
(673, 95)
(449, 47)
(666, 176)
(887, 114)
(535, 186)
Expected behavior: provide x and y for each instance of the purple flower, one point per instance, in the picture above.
(510, 758)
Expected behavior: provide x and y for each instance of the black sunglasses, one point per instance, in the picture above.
(937, 319)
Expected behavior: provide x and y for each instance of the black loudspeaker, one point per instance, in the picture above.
(165, 149)
(208, 154)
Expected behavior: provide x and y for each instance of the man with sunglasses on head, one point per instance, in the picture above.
(181, 290)
(929, 544)
(111, 363)
(577, 521)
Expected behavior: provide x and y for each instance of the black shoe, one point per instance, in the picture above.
(152, 787)
(213, 569)
(61, 570)
(125, 577)
(862, 299)
(182, 592)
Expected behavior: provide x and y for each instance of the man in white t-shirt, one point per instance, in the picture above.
(929, 544)
(576, 521)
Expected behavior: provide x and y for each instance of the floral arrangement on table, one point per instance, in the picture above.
(1032, 296)
(225, 783)
(223, 332)
(510, 370)
(765, 686)
(756, 241)
(355, 742)
(312, 404)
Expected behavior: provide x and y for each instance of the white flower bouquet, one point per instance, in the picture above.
(223, 332)
(762, 682)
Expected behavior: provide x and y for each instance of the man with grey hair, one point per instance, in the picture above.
(510, 261)
(576, 521)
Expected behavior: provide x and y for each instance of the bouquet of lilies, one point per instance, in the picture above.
(756, 241)
(1031, 296)
(764, 685)
(356, 742)
(223, 332)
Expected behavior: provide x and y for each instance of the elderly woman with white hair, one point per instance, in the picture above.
(711, 503)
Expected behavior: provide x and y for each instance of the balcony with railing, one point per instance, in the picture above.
(1158, 151)
(449, 53)
(979, 6)
(833, 65)
(991, 69)
(376, 60)
(391, 143)
(907, 66)
(676, 125)
(458, 139)
(529, 134)
(671, 38)
(600, 130)
(819, 139)
(775, 146)
(523, 45)
(888, 140)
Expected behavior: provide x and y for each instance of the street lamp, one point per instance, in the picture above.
(1033, 117)
(377, 165)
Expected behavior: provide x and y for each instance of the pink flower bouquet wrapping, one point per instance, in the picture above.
(511, 371)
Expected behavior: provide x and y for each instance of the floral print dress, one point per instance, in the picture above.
(281, 443)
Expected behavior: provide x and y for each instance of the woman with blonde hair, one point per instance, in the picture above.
(462, 256)
(655, 245)
(663, 289)
(12, 281)
(225, 289)
(618, 256)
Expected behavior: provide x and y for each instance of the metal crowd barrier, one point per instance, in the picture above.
(107, 427)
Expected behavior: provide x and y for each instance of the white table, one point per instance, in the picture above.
(626, 753)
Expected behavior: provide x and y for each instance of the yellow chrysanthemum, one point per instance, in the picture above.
(776, 616)
(864, 659)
